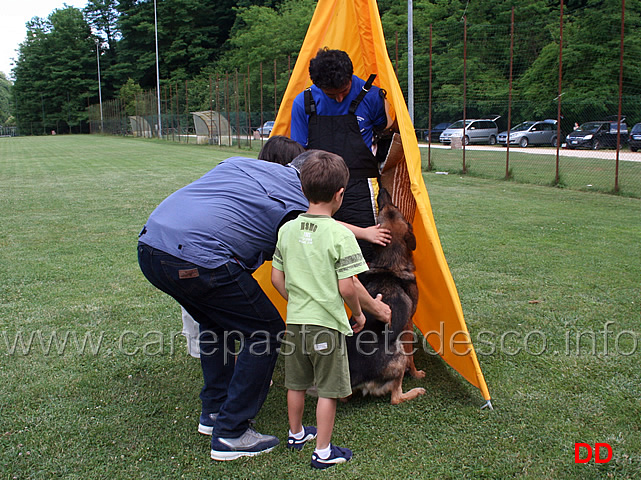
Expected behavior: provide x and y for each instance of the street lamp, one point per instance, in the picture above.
(99, 86)
(157, 72)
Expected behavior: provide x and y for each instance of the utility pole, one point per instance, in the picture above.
(157, 72)
(99, 85)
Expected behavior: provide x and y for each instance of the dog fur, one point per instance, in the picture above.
(380, 354)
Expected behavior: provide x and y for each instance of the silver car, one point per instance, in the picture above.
(476, 131)
(531, 133)
(266, 129)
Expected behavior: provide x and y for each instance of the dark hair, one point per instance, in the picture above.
(322, 175)
(330, 69)
(280, 149)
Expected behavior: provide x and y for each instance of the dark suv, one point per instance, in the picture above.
(597, 135)
(635, 137)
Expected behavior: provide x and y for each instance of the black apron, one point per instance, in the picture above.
(340, 134)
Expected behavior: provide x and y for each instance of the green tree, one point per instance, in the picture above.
(56, 74)
(201, 39)
(5, 98)
(30, 80)
(190, 36)
(261, 34)
(102, 15)
(128, 94)
(488, 54)
(591, 49)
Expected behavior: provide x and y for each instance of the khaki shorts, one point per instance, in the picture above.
(316, 356)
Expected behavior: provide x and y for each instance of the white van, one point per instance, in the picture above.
(476, 131)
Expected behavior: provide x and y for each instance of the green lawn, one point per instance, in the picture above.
(548, 280)
(578, 172)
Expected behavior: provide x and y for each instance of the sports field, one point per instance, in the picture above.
(95, 381)
(585, 170)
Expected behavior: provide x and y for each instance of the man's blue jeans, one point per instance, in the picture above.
(234, 315)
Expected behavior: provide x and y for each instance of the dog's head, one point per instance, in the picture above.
(398, 254)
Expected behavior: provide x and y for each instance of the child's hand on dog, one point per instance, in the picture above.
(374, 234)
(377, 235)
(382, 311)
(359, 322)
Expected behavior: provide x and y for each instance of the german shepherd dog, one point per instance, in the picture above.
(380, 354)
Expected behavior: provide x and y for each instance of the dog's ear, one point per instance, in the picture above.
(410, 239)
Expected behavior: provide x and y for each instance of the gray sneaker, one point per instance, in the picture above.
(249, 444)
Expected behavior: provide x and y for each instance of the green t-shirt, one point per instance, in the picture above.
(315, 252)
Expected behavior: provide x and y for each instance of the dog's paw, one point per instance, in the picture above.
(417, 374)
(399, 396)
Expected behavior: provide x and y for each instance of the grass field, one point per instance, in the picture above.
(96, 383)
(578, 172)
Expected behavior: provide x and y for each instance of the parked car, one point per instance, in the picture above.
(595, 135)
(476, 131)
(266, 129)
(635, 137)
(531, 133)
(436, 131)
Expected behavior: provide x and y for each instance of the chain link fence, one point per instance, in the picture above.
(226, 109)
(556, 136)
(8, 131)
(507, 74)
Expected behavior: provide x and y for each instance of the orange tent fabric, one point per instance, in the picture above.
(355, 27)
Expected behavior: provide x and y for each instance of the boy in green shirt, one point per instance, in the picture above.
(314, 265)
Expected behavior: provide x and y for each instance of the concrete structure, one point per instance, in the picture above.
(212, 127)
(140, 126)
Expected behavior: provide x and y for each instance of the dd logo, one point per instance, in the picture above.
(578, 447)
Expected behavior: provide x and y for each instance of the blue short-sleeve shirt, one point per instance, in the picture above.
(231, 213)
(369, 114)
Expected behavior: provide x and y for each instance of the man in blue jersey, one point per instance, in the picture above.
(339, 113)
(201, 246)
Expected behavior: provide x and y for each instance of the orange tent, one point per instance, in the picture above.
(355, 27)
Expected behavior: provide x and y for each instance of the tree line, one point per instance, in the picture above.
(56, 69)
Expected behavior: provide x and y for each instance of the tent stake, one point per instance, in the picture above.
(488, 405)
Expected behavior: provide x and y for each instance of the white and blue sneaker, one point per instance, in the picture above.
(249, 444)
(206, 423)
(337, 455)
(309, 433)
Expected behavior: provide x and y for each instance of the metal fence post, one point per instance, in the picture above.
(465, 88)
(557, 178)
(616, 167)
(429, 110)
(509, 100)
